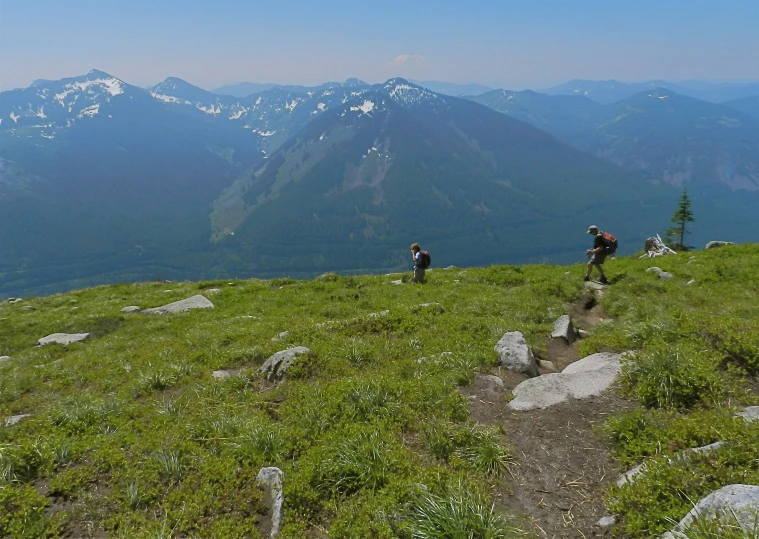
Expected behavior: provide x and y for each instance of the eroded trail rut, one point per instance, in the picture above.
(563, 462)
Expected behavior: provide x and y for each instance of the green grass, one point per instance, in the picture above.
(130, 429)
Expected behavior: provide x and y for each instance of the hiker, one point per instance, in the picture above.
(603, 244)
(421, 262)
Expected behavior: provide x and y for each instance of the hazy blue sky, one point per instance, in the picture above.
(509, 43)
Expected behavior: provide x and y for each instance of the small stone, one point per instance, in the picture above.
(606, 522)
(563, 329)
(63, 338)
(27, 308)
(399, 281)
(583, 334)
(4, 358)
(546, 367)
(691, 282)
(276, 366)
(665, 275)
(280, 336)
(12, 420)
(194, 302)
(714, 244)
(515, 355)
(450, 267)
(131, 309)
(74, 309)
(654, 269)
(213, 291)
(221, 375)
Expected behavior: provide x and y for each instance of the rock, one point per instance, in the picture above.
(271, 478)
(213, 291)
(450, 267)
(704, 450)
(515, 355)
(131, 309)
(280, 336)
(749, 414)
(194, 302)
(630, 475)
(12, 420)
(221, 375)
(665, 275)
(563, 329)
(654, 269)
(583, 334)
(691, 282)
(4, 358)
(63, 338)
(491, 382)
(606, 522)
(714, 244)
(13, 301)
(738, 501)
(432, 306)
(399, 281)
(546, 367)
(592, 285)
(585, 378)
(28, 308)
(276, 366)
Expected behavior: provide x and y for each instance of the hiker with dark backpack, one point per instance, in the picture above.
(421, 262)
(604, 244)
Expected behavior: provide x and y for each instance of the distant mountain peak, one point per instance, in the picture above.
(99, 74)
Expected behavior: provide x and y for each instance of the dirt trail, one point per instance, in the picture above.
(564, 464)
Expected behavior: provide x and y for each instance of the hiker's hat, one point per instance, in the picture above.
(591, 228)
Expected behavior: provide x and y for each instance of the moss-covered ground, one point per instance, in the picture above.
(130, 435)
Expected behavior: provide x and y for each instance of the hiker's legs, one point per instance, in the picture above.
(418, 275)
(595, 260)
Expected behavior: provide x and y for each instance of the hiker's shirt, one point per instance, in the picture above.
(599, 242)
(418, 260)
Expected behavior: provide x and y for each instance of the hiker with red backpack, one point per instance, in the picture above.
(604, 244)
(421, 262)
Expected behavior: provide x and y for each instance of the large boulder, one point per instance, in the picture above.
(563, 329)
(515, 355)
(276, 366)
(713, 244)
(585, 378)
(62, 338)
(734, 502)
(271, 479)
(194, 302)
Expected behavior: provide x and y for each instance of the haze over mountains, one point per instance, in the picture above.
(102, 181)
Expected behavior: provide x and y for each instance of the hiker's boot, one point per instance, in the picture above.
(603, 280)
(585, 278)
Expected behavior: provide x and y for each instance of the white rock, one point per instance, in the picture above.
(583, 334)
(63, 338)
(691, 282)
(213, 291)
(13, 301)
(130, 309)
(740, 501)
(654, 269)
(194, 302)
(630, 475)
(592, 285)
(606, 522)
(399, 281)
(547, 367)
(12, 420)
(563, 329)
(4, 358)
(588, 377)
(713, 244)
(272, 478)
(665, 275)
(749, 414)
(280, 336)
(276, 366)
(515, 355)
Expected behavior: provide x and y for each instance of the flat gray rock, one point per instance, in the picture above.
(515, 355)
(280, 336)
(63, 338)
(221, 375)
(276, 366)
(271, 478)
(713, 244)
(665, 275)
(194, 302)
(655, 269)
(597, 287)
(606, 522)
(12, 420)
(740, 501)
(397, 282)
(563, 329)
(131, 309)
(5, 358)
(691, 282)
(630, 475)
(582, 379)
(546, 367)
(749, 414)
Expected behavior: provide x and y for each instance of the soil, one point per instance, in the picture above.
(563, 463)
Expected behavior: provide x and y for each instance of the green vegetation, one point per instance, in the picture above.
(130, 433)
(682, 215)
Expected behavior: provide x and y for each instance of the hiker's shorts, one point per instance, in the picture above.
(418, 274)
(598, 258)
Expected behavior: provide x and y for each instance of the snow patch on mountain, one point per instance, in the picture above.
(366, 107)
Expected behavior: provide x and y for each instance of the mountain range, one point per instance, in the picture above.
(103, 181)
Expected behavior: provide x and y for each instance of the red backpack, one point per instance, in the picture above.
(610, 243)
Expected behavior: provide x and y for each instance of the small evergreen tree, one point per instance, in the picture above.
(681, 216)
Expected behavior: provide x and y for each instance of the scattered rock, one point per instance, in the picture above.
(62, 338)
(271, 478)
(434, 306)
(630, 475)
(585, 378)
(691, 282)
(280, 336)
(749, 414)
(399, 281)
(515, 355)
(563, 329)
(740, 501)
(546, 367)
(12, 420)
(713, 244)
(194, 302)
(450, 267)
(276, 366)
(378, 315)
(13, 301)
(583, 334)
(213, 291)
(221, 375)
(592, 285)
(654, 269)
(606, 522)
(491, 382)
(131, 309)
(4, 358)
(661, 273)
(28, 308)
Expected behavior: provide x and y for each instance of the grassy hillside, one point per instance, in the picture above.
(130, 435)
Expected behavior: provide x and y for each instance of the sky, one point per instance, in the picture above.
(514, 44)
